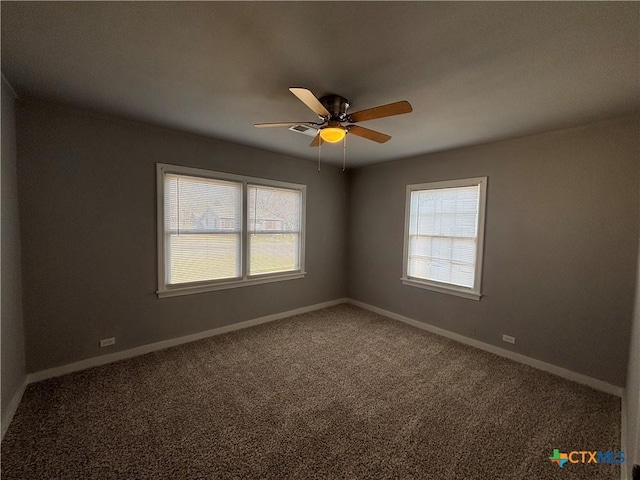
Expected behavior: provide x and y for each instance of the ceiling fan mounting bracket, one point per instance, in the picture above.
(337, 106)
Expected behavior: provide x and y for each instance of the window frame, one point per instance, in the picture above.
(474, 293)
(249, 232)
(167, 290)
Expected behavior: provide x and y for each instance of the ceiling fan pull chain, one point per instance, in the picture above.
(319, 148)
(344, 154)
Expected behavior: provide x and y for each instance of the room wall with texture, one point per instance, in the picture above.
(88, 200)
(632, 390)
(561, 244)
(11, 318)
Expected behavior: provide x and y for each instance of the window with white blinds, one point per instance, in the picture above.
(202, 228)
(274, 229)
(218, 230)
(444, 234)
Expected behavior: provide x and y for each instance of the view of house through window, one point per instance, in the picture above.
(444, 232)
(274, 229)
(204, 230)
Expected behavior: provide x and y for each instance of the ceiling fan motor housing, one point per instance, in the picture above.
(337, 106)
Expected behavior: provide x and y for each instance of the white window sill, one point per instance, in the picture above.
(442, 288)
(257, 280)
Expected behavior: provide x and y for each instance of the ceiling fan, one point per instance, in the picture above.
(332, 110)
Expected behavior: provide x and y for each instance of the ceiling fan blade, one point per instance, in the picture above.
(310, 100)
(388, 110)
(282, 124)
(316, 141)
(368, 134)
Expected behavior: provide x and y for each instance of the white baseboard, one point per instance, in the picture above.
(113, 357)
(152, 347)
(11, 411)
(532, 362)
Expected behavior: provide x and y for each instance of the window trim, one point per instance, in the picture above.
(165, 290)
(474, 293)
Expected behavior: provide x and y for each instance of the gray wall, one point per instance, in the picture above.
(11, 321)
(88, 210)
(632, 392)
(561, 244)
(560, 252)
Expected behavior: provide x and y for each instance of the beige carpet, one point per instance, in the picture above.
(337, 393)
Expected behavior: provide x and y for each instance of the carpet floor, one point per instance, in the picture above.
(339, 393)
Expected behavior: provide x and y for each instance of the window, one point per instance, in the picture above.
(274, 229)
(217, 230)
(444, 233)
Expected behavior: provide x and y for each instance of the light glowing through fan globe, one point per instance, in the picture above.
(332, 134)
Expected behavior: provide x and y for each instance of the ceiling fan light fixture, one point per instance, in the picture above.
(332, 134)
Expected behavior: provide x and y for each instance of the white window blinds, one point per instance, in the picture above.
(274, 229)
(202, 229)
(219, 230)
(443, 235)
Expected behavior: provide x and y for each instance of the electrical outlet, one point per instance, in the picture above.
(105, 342)
(509, 339)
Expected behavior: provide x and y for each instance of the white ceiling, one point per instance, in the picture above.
(474, 72)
